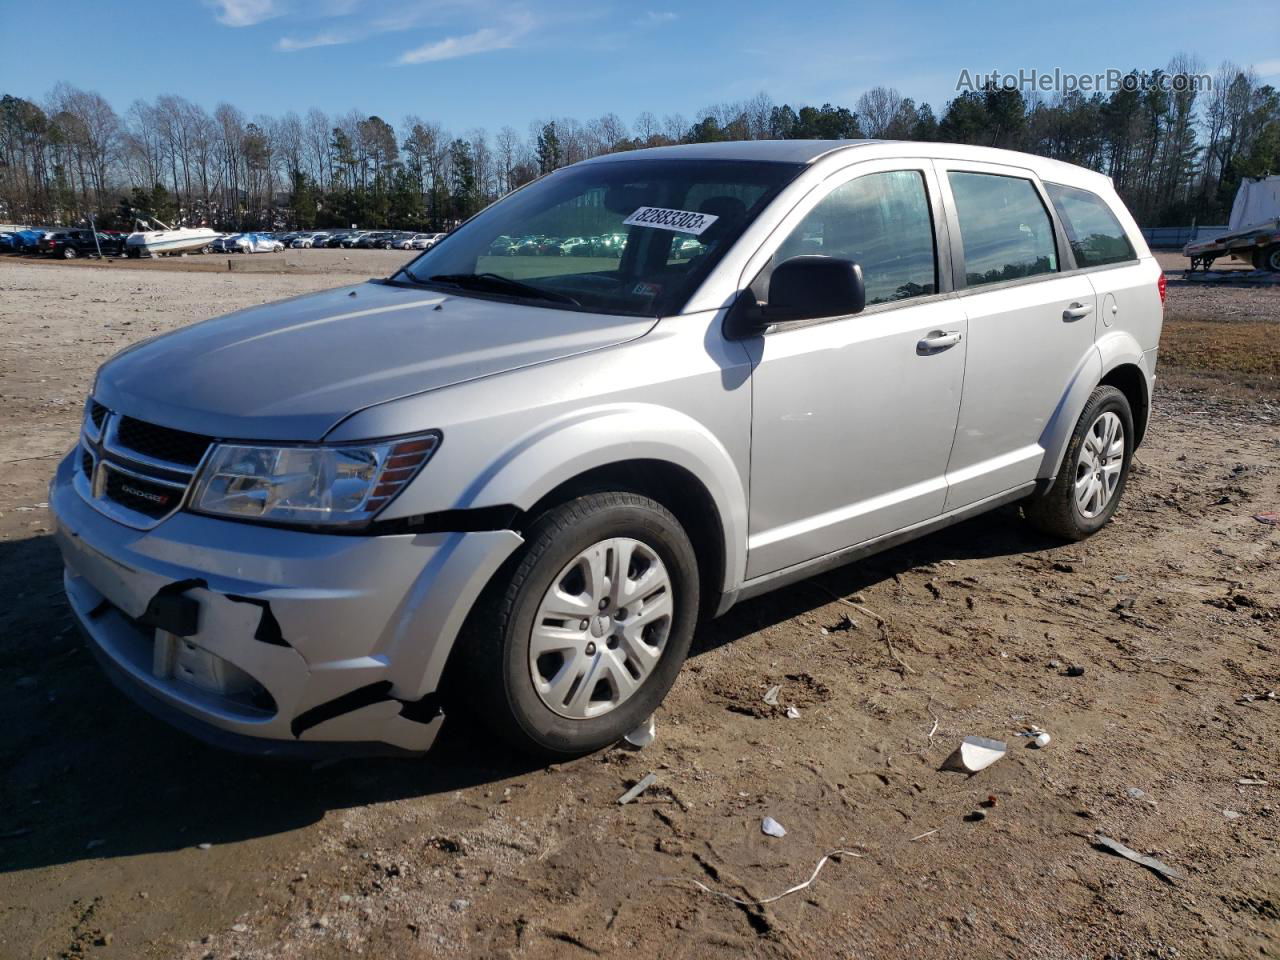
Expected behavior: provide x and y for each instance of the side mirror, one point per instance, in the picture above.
(802, 288)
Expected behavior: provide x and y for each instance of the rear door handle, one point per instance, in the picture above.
(938, 340)
(1077, 311)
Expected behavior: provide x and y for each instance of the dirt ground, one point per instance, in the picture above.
(120, 838)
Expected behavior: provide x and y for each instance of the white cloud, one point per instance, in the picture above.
(469, 44)
(292, 44)
(661, 16)
(1267, 68)
(244, 13)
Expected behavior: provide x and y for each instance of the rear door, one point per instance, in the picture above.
(1030, 325)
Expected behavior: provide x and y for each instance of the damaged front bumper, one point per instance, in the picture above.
(272, 640)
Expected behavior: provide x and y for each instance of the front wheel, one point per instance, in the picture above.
(68, 253)
(577, 641)
(1094, 470)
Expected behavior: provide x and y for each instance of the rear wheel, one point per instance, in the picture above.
(1269, 259)
(1094, 470)
(580, 637)
(68, 253)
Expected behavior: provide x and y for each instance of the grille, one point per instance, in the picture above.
(142, 496)
(133, 471)
(162, 443)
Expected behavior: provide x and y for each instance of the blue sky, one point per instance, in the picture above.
(473, 63)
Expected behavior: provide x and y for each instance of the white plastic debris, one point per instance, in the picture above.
(1231, 814)
(1039, 738)
(643, 735)
(645, 783)
(975, 753)
(772, 828)
(793, 712)
(771, 695)
(785, 893)
(1151, 863)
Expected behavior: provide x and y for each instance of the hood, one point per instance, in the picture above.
(292, 370)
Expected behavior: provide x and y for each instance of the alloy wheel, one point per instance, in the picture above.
(1099, 466)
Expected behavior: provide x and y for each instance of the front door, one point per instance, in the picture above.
(853, 417)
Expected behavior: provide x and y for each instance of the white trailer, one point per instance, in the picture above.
(1253, 233)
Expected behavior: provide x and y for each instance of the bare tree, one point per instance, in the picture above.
(876, 108)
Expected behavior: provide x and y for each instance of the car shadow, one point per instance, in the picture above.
(90, 775)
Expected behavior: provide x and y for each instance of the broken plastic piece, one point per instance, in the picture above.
(793, 712)
(785, 893)
(1151, 863)
(772, 828)
(644, 734)
(771, 695)
(1269, 518)
(974, 754)
(647, 781)
(1042, 739)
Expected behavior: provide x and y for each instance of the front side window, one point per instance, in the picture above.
(632, 237)
(1004, 228)
(880, 221)
(1093, 231)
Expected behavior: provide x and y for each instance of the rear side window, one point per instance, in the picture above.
(1095, 234)
(880, 221)
(1004, 228)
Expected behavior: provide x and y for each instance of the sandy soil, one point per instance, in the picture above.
(120, 838)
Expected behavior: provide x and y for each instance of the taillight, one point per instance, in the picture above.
(1162, 285)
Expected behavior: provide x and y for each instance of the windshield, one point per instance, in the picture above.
(631, 237)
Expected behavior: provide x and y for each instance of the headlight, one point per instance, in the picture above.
(309, 485)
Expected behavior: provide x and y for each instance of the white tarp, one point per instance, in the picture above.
(1257, 201)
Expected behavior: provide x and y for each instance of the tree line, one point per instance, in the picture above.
(1175, 152)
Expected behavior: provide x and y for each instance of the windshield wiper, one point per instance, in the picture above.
(500, 284)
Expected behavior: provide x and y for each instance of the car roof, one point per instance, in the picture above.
(783, 151)
(810, 151)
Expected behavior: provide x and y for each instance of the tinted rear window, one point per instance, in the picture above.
(1004, 228)
(1093, 231)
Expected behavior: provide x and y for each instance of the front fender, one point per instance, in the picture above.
(584, 440)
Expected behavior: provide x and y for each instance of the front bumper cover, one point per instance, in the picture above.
(268, 639)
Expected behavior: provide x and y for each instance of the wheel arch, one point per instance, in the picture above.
(1116, 360)
(671, 485)
(647, 449)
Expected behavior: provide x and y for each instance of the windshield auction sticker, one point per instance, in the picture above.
(683, 221)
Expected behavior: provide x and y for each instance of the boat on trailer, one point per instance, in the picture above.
(151, 242)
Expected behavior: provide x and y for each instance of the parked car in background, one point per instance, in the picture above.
(254, 243)
(305, 241)
(374, 240)
(412, 241)
(8, 242)
(28, 241)
(352, 239)
(501, 247)
(220, 243)
(70, 244)
(576, 247)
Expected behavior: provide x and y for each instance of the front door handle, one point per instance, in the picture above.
(1076, 311)
(938, 340)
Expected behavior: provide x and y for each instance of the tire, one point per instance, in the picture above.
(1269, 259)
(1059, 512)
(494, 679)
(68, 253)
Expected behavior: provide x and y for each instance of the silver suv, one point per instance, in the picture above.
(512, 483)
